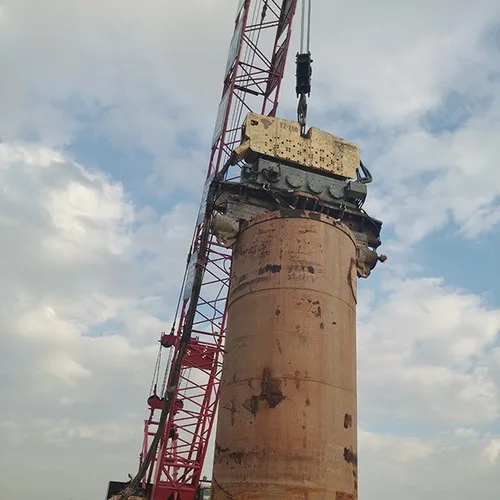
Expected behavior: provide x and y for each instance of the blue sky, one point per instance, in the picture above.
(105, 123)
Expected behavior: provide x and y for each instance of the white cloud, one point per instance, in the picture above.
(492, 450)
(62, 366)
(79, 329)
(466, 433)
(64, 432)
(402, 449)
(458, 164)
(429, 465)
(426, 348)
(72, 208)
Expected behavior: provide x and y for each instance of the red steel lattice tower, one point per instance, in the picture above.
(182, 415)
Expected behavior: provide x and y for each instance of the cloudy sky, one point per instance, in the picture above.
(106, 113)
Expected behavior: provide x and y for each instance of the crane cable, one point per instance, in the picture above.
(304, 69)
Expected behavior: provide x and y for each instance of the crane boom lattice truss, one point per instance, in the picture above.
(183, 417)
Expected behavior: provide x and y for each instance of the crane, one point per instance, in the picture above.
(183, 405)
(266, 169)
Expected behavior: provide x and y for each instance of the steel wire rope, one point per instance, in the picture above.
(309, 27)
(156, 372)
(167, 369)
(305, 26)
(302, 26)
(174, 321)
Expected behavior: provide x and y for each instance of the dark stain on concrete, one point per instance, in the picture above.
(265, 122)
(271, 393)
(297, 379)
(347, 421)
(350, 457)
(270, 268)
(235, 456)
(341, 495)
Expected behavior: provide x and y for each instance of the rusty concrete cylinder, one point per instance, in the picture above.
(287, 424)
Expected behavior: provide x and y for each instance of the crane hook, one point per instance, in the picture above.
(303, 87)
(302, 113)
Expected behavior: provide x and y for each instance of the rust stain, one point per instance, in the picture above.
(341, 495)
(270, 268)
(297, 379)
(219, 449)
(270, 393)
(266, 123)
(248, 284)
(301, 335)
(350, 457)
(271, 389)
(236, 456)
(347, 421)
(317, 312)
(252, 405)
(232, 409)
(308, 402)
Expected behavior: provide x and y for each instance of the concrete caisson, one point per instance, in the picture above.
(287, 415)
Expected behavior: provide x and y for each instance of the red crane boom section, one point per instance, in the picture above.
(183, 417)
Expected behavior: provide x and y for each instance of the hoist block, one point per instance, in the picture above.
(155, 402)
(282, 140)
